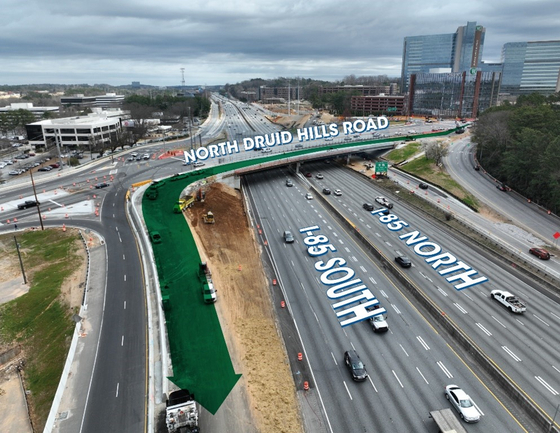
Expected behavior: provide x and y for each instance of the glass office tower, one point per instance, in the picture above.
(531, 67)
(454, 52)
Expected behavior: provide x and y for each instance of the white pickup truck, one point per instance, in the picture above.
(509, 300)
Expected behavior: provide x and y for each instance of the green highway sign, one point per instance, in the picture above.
(381, 167)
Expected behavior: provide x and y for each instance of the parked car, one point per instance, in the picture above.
(55, 165)
(462, 403)
(403, 261)
(146, 156)
(15, 172)
(355, 366)
(326, 191)
(368, 206)
(541, 253)
(45, 168)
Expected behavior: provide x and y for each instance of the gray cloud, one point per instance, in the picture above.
(117, 42)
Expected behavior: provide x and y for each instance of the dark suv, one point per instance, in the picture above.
(355, 366)
(368, 206)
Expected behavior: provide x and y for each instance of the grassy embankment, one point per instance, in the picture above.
(427, 170)
(40, 321)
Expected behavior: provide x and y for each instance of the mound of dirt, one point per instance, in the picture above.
(245, 310)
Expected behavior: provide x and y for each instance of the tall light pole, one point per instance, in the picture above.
(36, 199)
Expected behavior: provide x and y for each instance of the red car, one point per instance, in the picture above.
(308, 175)
(541, 253)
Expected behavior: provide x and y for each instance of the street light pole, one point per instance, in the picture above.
(20, 261)
(36, 199)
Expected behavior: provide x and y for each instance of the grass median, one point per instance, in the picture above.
(40, 320)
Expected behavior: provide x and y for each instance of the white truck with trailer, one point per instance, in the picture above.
(181, 413)
(509, 300)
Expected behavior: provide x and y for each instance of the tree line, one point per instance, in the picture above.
(520, 146)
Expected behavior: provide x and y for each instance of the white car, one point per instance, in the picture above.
(337, 192)
(308, 196)
(462, 403)
(329, 139)
(198, 164)
(266, 150)
(3, 164)
(384, 202)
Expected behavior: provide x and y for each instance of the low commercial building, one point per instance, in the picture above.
(380, 104)
(102, 101)
(38, 112)
(97, 128)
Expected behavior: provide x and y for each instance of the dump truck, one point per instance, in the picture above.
(447, 421)
(510, 301)
(208, 218)
(181, 413)
(183, 203)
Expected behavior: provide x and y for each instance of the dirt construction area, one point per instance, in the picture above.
(245, 311)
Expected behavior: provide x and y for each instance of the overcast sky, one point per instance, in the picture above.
(227, 41)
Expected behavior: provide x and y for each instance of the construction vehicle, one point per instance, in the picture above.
(208, 218)
(183, 203)
(181, 413)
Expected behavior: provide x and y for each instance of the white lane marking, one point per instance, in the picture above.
(510, 353)
(347, 390)
(444, 369)
(486, 331)
(363, 269)
(442, 291)
(372, 384)
(423, 343)
(117, 394)
(354, 258)
(558, 317)
(404, 350)
(120, 237)
(498, 321)
(396, 309)
(122, 341)
(467, 295)
(461, 309)
(334, 359)
(546, 385)
(347, 249)
(556, 369)
(396, 377)
(538, 318)
(123, 257)
(125, 305)
(352, 344)
(383, 293)
(372, 280)
(425, 380)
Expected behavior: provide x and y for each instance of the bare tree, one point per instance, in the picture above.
(435, 151)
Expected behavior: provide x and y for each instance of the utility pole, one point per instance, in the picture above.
(20, 261)
(36, 199)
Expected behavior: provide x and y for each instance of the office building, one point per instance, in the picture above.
(379, 104)
(97, 127)
(451, 95)
(453, 52)
(38, 112)
(530, 67)
(358, 89)
(109, 100)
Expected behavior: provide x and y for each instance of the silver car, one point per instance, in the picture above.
(462, 403)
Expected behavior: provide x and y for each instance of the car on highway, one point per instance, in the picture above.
(288, 237)
(423, 185)
(298, 146)
(477, 167)
(541, 253)
(319, 176)
(308, 174)
(146, 156)
(326, 191)
(289, 182)
(355, 366)
(462, 403)
(308, 196)
(101, 185)
(337, 192)
(266, 150)
(198, 164)
(502, 187)
(384, 202)
(28, 204)
(404, 261)
(329, 139)
(368, 206)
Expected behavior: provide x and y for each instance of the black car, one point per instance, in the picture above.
(355, 366)
(368, 206)
(101, 185)
(326, 191)
(403, 261)
(27, 204)
(423, 185)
